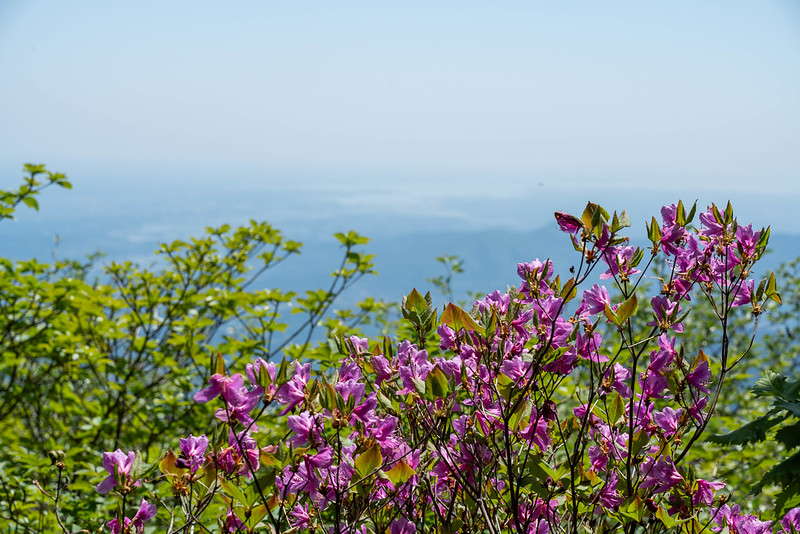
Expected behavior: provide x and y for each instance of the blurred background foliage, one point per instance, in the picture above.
(94, 365)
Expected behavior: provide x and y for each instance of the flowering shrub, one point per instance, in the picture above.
(522, 416)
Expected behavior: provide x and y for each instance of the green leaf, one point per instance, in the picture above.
(789, 435)
(415, 301)
(368, 461)
(753, 432)
(654, 232)
(772, 289)
(611, 316)
(690, 217)
(219, 364)
(456, 318)
(665, 518)
(620, 222)
(436, 385)
(33, 169)
(640, 439)
(522, 410)
(257, 514)
(570, 290)
(633, 508)
(770, 385)
(31, 202)
(616, 409)
(790, 406)
(627, 309)
(419, 385)
(400, 473)
(234, 491)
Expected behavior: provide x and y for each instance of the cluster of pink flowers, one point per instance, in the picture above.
(475, 434)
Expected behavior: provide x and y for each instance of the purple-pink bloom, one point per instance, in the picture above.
(671, 239)
(696, 410)
(595, 300)
(568, 223)
(618, 261)
(495, 300)
(700, 377)
(293, 392)
(450, 367)
(791, 521)
(516, 368)
(239, 402)
(417, 367)
(712, 226)
(729, 516)
(661, 474)
(117, 462)
(401, 525)
(536, 431)
(662, 358)
(666, 313)
(254, 370)
(668, 420)
(232, 523)
(360, 345)
(350, 388)
(238, 405)
(300, 517)
(669, 214)
(705, 492)
(365, 411)
(248, 451)
(145, 512)
(383, 369)
(220, 384)
(653, 384)
(306, 428)
(610, 498)
(744, 294)
(621, 375)
(192, 452)
(589, 345)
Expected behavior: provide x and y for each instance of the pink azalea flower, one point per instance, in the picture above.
(293, 392)
(401, 525)
(239, 402)
(618, 261)
(700, 377)
(117, 462)
(220, 384)
(705, 492)
(668, 420)
(300, 517)
(621, 376)
(145, 512)
(744, 294)
(232, 523)
(568, 223)
(306, 427)
(595, 300)
(660, 474)
(791, 521)
(192, 452)
(610, 498)
(254, 370)
(712, 226)
(665, 312)
(495, 300)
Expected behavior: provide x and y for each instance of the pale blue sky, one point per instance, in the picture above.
(453, 94)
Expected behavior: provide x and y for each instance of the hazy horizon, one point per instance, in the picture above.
(452, 95)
